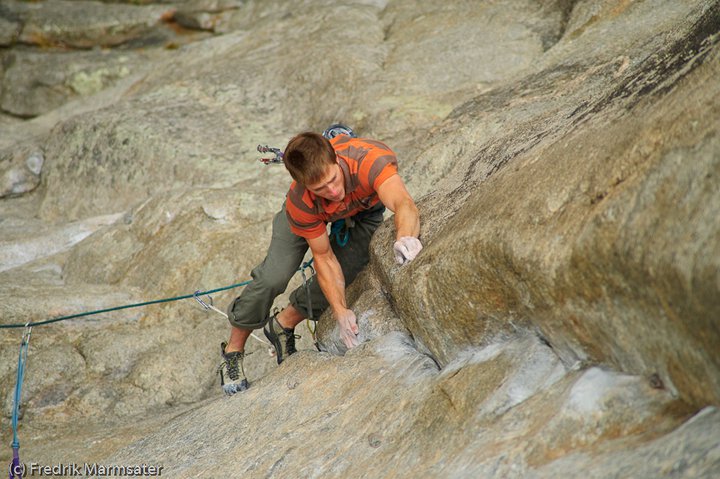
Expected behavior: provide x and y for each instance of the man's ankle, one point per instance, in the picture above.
(282, 320)
(289, 318)
(232, 349)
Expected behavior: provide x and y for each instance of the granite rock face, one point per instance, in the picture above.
(614, 255)
(240, 90)
(600, 253)
(20, 170)
(562, 317)
(38, 82)
(507, 410)
(79, 24)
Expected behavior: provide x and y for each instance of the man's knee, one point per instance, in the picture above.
(273, 284)
(273, 274)
(249, 320)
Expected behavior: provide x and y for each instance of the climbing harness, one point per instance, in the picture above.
(340, 231)
(16, 468)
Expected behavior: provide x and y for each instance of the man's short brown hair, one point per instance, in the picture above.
(307, 157)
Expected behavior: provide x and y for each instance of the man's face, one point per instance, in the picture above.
(331, 186)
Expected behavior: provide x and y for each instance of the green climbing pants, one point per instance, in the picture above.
(251, 309)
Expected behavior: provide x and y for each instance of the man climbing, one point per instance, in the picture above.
(337, 178)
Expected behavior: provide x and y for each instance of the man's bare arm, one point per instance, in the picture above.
(394, 195)
(332, 283)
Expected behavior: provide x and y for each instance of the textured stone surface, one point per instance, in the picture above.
(206, 127)
(211, 15)
(27, 240)
(20, 170)
(10, 26)
(81, 24)
(388, 410)
(37, 82)
(142, 255)
(594, 221)
(374, 313)
(562, 318)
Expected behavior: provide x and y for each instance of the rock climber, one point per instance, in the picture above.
(337, 178)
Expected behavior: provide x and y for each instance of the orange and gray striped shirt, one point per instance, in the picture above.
(365, 164)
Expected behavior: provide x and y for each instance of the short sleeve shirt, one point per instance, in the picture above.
(365, 164)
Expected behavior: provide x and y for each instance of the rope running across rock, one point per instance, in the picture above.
(16, 467)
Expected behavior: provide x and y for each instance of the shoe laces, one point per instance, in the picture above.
(289, 334)
(290, 338)
(231, 363)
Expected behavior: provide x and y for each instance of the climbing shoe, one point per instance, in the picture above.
(283, 340)
(232, 374)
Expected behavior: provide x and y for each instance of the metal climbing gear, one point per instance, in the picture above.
(16, 467)
(338, 129)
(210, 306)
(330, 132)
(277, 159)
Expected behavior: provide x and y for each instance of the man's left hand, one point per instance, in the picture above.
(406, 248)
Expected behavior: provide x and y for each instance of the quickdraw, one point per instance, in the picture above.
(210, 306)
(277, 159)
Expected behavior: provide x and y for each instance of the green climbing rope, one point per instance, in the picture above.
(126, 306)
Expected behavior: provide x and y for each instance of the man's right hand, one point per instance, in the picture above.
(348, 327)
(406, 248)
